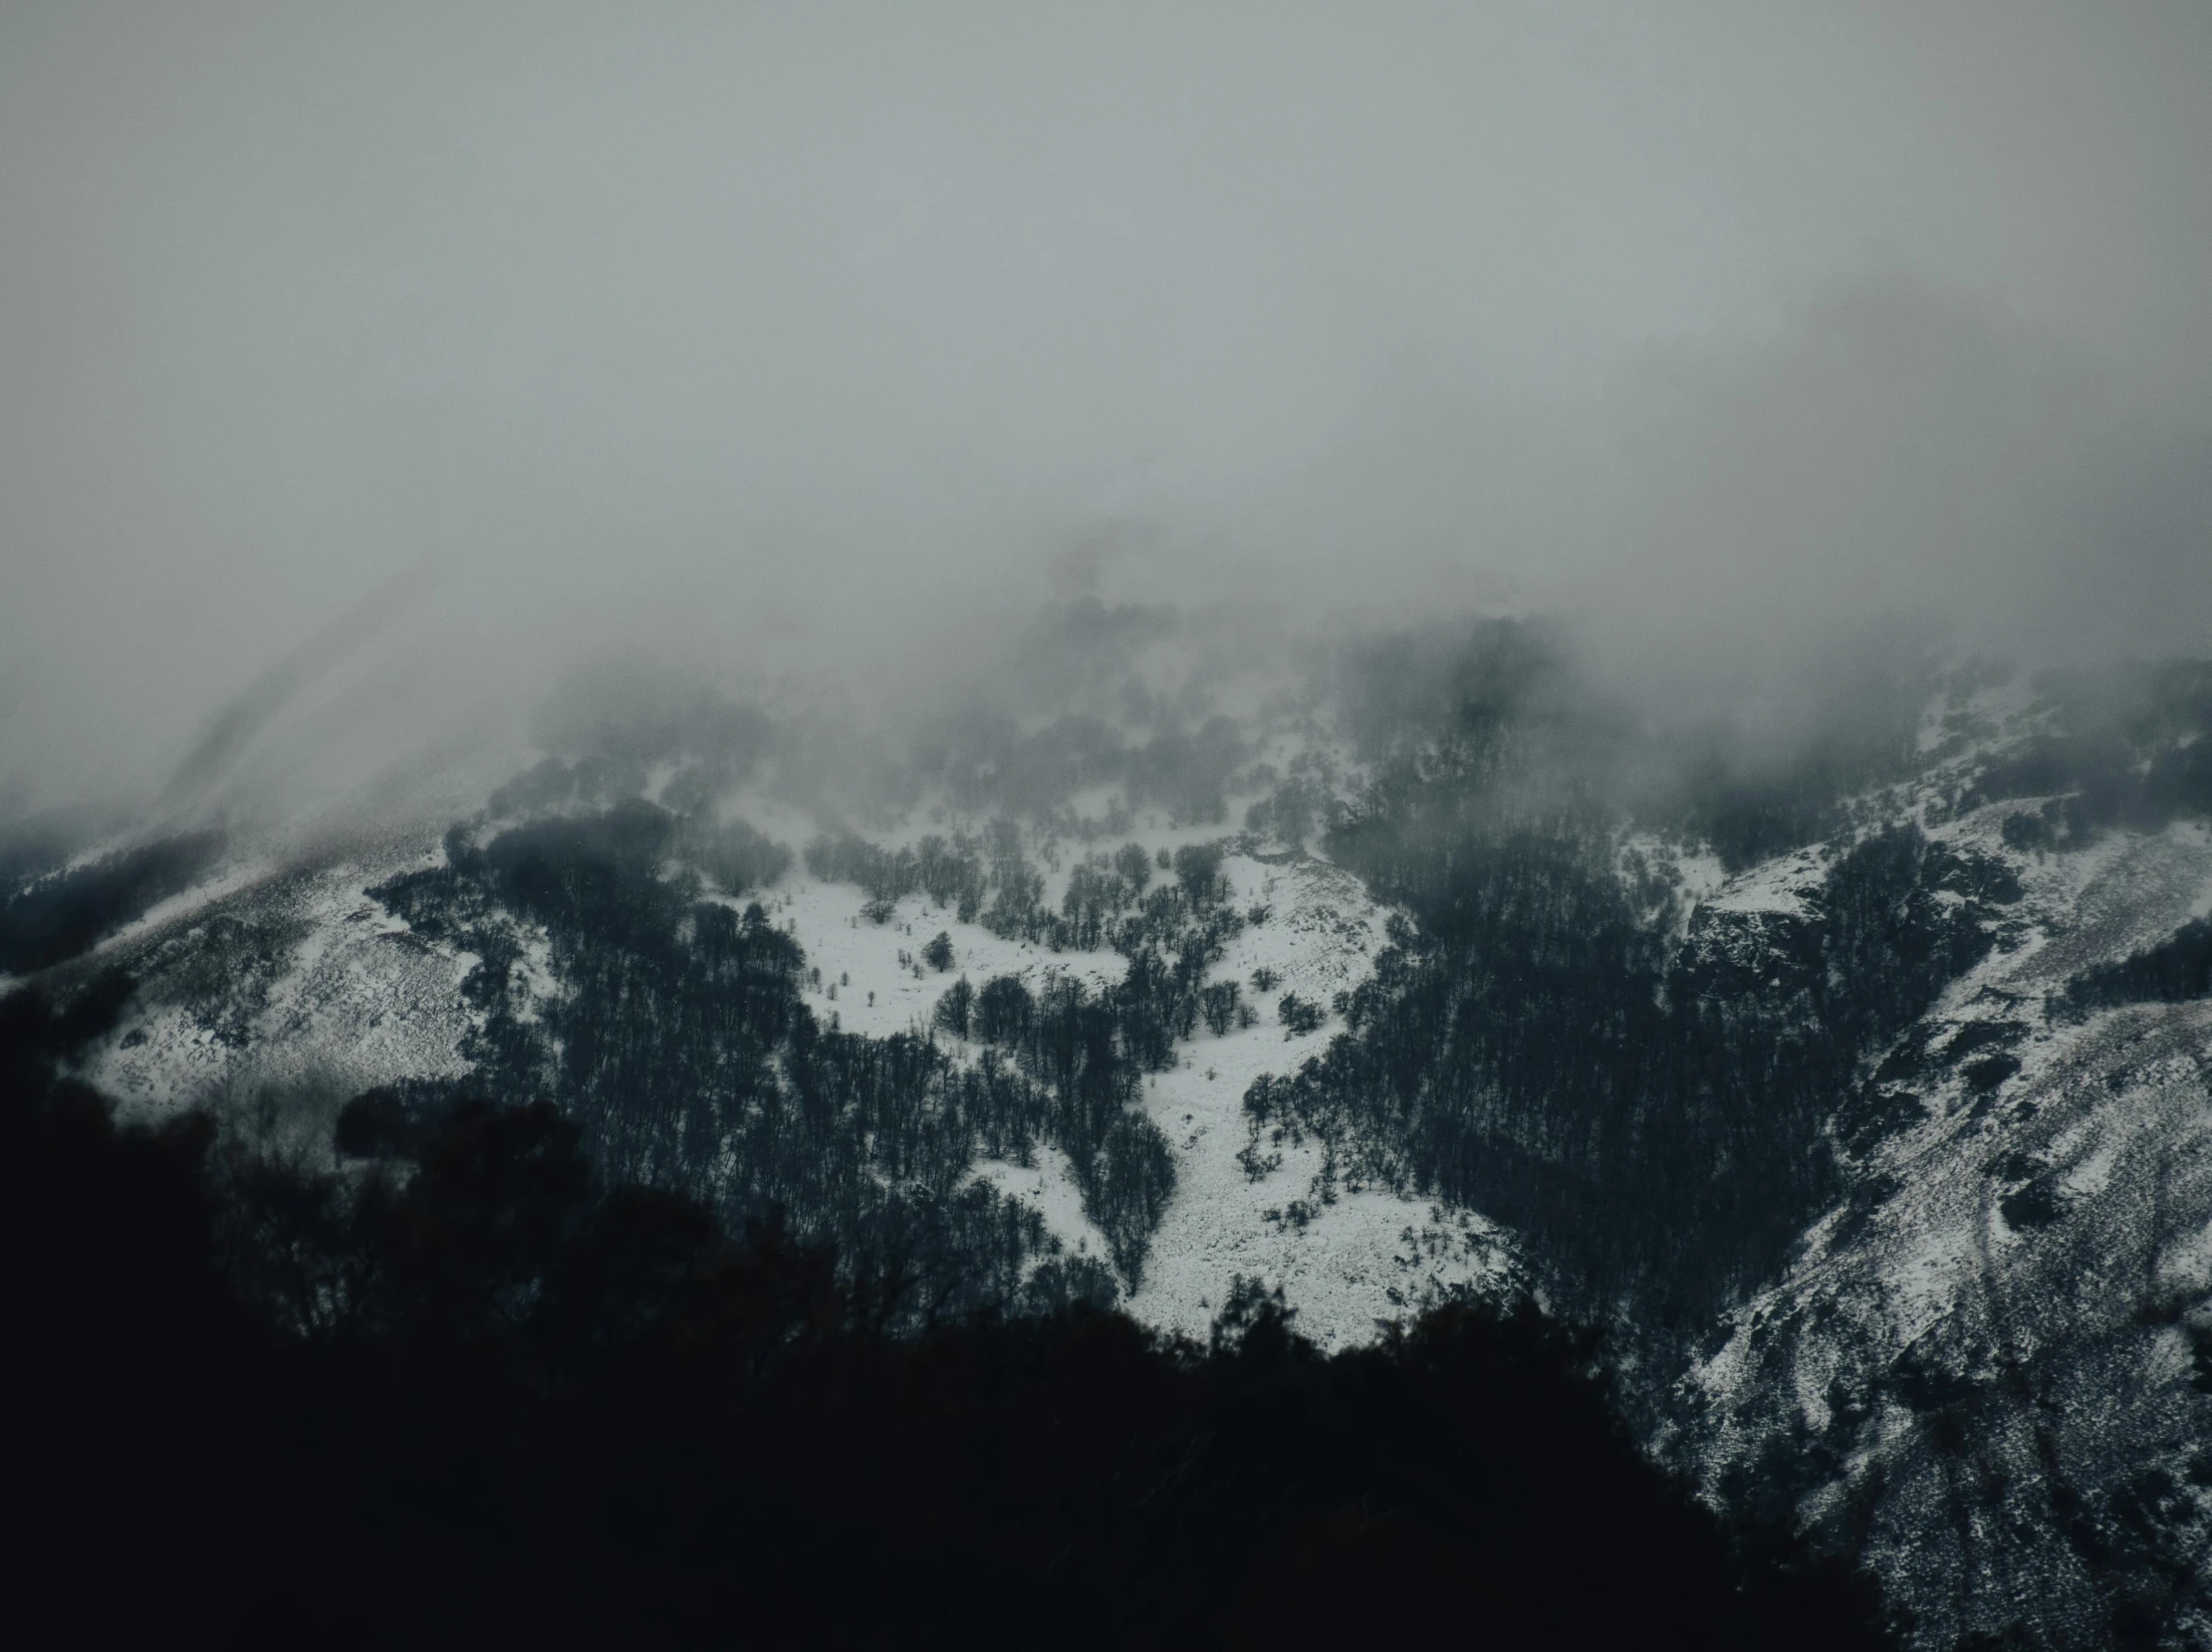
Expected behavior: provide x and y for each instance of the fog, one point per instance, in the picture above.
(406, 354)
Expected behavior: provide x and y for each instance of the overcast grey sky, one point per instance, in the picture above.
(699, 324)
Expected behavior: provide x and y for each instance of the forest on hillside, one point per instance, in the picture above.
(461, 1384)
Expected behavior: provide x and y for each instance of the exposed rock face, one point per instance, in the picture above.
(1747, 944)
(1983, 1371)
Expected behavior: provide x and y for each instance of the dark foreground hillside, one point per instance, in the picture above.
(459, 1390)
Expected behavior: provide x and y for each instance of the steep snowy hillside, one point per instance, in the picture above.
(1982, 1372)
(286, 980)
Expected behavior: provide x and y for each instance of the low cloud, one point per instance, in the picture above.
(822, 350)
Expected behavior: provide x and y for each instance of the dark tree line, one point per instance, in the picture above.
(2128, 748)
(1086, 1056)
(1454, 718)
(1658, 1124)
(1658, 1119)
(1088, 1053)
(681, 1045)
(456, 1384)
(987, 879)
(955, 873)
(2178, 968)
(47, 919)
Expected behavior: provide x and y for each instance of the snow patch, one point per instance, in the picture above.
(1046, 1185)
(1368, 1257)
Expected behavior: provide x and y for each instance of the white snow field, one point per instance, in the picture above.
(1370, 1256)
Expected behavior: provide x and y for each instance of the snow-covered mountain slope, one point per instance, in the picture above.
(1363, 1256)
(299, 982)
(1982, 1372)
(283, 979)
(1368, 1256)
(1000, 1026)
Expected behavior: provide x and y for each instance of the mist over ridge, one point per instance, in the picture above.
(1122, 821)
(790, 344)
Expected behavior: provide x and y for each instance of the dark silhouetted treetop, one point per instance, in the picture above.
(681, 1045)
(53, 918)
(473, 1385)
(2128, 746)
(2178, 969)
(955, 1010)
(1299, 1016)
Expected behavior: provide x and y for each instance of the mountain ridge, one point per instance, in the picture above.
(1924, 1107)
